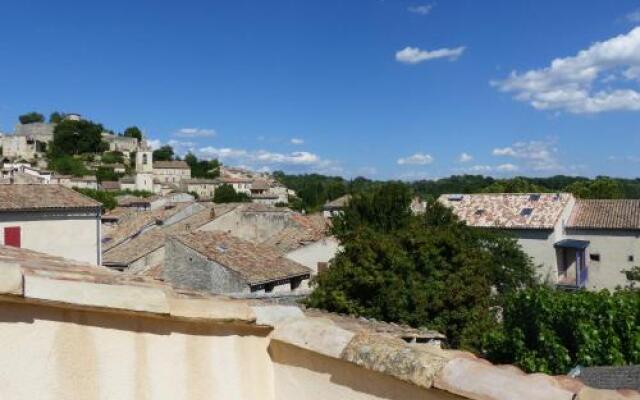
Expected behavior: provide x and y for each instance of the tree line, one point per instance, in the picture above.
(314, 190)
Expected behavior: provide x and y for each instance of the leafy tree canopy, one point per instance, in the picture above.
(600, 188)
(164, 153)
(430, 270)
(56, 117)
(227, 194)
(552, 331)
(107, 199)
(30, 118)
(78, 137)
(134, 132)
(207, 169)
(68, 165)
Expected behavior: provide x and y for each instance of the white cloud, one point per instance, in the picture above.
(422, 9)
(154, 143)
(465, 157)
(195, 133)
(538, 155)
(633, 16)
(416, 159)
(571, 83)
(507, 167)
(487, 169)
(413, 55)
(263, 159)
(297, 141)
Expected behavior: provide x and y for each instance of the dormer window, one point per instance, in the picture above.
(525, 212)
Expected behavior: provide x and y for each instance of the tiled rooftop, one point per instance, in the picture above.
(303, 230)
(170, 165)
(606, 214)
(42, 197)
(153, 239)
(510, 211)
(256, 263)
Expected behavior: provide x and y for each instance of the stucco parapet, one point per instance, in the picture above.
(272, 315)
(315, 334)
(393, 356)
(11, 278)
(211, 309)
(588, 393)
(478, 379)
(89, 294)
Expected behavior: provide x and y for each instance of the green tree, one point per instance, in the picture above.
(30, 118)
(113, 157)
(133, 131)
(207, 169)
(56, 117)
(551, 331)
(514, 185)
(227, 194)
(107, 174)
(67, 165)
(600, 188)
(78, 137)
(107, 199)
(429, 270)
(164, 153)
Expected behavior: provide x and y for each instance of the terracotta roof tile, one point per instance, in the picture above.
(303, 230)
(508, 211)
(605, 214)
(42, 197)
(256, 263)
(170, 165)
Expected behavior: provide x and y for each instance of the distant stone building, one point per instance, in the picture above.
(51, 219)
(204, 188)
(172, 172)
(220, 263)
(335, 207)
(123, 144)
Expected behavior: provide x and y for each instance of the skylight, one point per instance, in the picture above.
(525, 212)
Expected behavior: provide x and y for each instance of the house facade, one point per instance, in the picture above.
(573, 243)
(51, 219)
(172, 172)
(204, 188)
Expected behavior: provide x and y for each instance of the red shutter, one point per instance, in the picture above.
(12, 236)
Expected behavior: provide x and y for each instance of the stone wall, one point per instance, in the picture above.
(186, 268)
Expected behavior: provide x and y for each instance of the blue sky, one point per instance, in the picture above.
(384, 89)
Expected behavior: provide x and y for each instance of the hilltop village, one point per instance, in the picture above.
(194, 271)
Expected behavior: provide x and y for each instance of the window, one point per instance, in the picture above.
(12, 236)
(534, 197)
(479, 211)
(630, 258)
(594, 257)
(144, 159)
(525, 212)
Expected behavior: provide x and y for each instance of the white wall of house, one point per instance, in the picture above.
(313, 253)
(73, 235)
(171, 175)
(615, 247)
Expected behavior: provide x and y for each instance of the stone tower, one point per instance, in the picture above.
(144, 170)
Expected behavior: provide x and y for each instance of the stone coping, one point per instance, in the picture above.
(424, 365)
